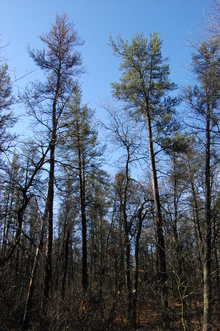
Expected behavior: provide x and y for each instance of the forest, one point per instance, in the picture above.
(83, 248)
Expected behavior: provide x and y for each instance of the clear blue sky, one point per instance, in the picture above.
(22, 20)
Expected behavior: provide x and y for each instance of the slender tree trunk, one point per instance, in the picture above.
(104, 258)
(50, 196)
(175, 228)
(28, 305)
(198, 233)
(101, 255)
(128, 278)
(49, 218)
(121, 248)
(83, 214)
(162, 273)
(135, 291)
(207, 291)
(215, 235)
(6, 219)
(127, 240)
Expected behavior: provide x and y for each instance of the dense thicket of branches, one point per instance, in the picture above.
(140, 249)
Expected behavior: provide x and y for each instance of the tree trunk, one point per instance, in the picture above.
(127, 241)
(81, 167)
(28, 305)
(135, 291)
(49, 218)
(207, 290)
(162, 273)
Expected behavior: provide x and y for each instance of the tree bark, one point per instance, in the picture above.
(207, 290)
(49, 220)
(127, 240)
(81, 167)
(136, 273)
(162, 273)
(28, 305)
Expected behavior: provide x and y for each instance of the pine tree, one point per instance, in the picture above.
(46, 102)
(82, 156)
(144, 87)
(7, 118)
(203, 99)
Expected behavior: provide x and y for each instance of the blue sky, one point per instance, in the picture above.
(22, 20)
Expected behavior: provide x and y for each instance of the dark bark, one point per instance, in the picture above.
(207, 291)
(127, 240)
(196, 218)
(81, 167)
(29, 302)
(49, 219)
(162, 273)
(121, 248)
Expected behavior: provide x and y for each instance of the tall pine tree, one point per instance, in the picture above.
(144, 87)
